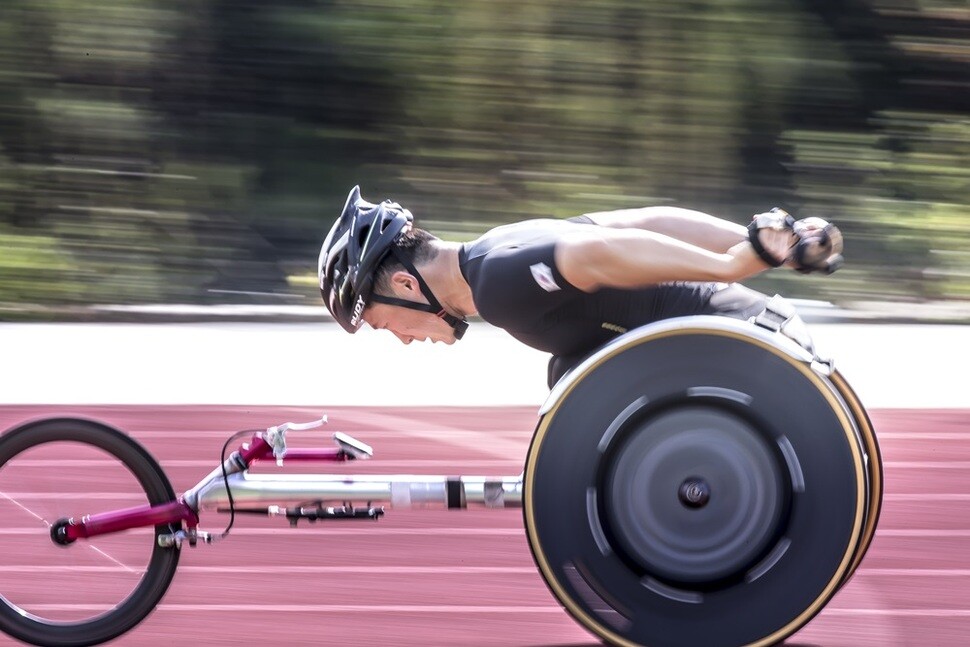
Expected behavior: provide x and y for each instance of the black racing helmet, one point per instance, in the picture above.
(359, 240)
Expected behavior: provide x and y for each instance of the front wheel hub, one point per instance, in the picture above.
(59, 532)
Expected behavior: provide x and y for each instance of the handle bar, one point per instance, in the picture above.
(276, 436)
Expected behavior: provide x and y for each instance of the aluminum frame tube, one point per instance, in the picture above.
(398, 491)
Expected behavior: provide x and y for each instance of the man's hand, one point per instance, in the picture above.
(808, 245)
(819, 246)
(773, 237)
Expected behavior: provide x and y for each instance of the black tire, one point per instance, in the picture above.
(873, 468)
(161, 564)
(675, 569)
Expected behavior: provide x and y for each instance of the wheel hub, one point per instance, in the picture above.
(694, 492)
(695, 495)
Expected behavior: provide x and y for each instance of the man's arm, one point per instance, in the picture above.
(692, 227)
(626, 257)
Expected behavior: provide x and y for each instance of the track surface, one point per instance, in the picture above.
(431, 577)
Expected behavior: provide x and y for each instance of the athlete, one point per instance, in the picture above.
(562, 286)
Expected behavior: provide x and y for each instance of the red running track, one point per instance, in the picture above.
(428, 578)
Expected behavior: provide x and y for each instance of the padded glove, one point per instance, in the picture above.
(774, 219)
(819, 246)
(818, 243)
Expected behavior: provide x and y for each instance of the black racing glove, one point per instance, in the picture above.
(774, 219)
(818, 246)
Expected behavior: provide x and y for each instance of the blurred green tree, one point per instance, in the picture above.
(197, 151)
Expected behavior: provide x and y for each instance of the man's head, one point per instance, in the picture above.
(367, 271)
(393, 282)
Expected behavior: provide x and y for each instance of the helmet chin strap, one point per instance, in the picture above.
(458, 325)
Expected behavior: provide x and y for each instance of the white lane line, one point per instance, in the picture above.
(73, 496)
(443, 608)
(326, 436)
(946, 496)
(929, 465)
(460, 466)
(391, 430)
(418, 570)
(929, 435)
(313, 608)
(67, 462)
(915, 572)
(25, 509)
(296, 570)
(931, 533)
(911, 613)
(442, 432)
(477, 441)
(446, 434)
(310, 531)
(415, 463)
(112, 559)
(376, 463)
(39, 518)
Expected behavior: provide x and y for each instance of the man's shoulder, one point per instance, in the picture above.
(541, 223)
(512, 273)
(525, 232)
(521, 226)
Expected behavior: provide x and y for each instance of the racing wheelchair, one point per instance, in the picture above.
(697, 481)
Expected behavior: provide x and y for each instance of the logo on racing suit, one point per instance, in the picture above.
(543, 276)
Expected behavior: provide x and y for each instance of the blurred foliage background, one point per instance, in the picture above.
(197, 151)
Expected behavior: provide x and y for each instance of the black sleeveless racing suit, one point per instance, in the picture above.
(516, 286)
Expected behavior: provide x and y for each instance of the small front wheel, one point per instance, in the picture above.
(85, 592)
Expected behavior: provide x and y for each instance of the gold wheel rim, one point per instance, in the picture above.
(874, 464)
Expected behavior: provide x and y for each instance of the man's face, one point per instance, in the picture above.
(408, 325)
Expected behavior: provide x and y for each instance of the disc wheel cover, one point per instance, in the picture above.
(585, 555)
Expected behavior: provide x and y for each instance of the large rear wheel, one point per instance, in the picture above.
(700, 484)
